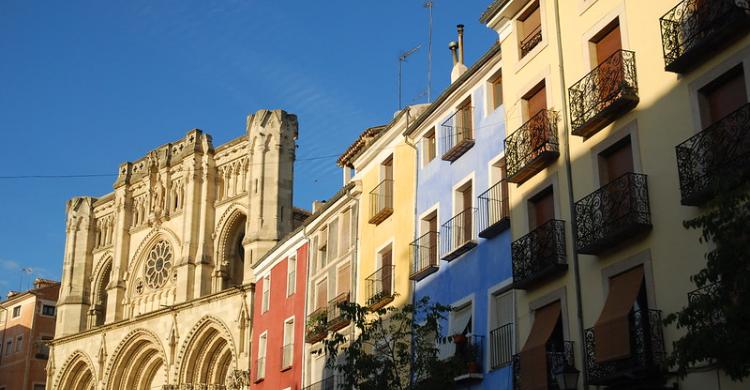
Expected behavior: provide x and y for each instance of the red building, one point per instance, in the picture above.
(279, 316)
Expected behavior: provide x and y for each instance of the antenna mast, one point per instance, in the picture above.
(428, 4)
(401, 59)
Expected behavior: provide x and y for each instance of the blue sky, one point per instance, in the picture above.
(87, 85)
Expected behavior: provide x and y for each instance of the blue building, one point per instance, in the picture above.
(461, 254)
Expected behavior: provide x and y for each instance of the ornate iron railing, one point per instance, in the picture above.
(316, 328)
(424, 255)
(379, 287)
(703, 297)
(469, 356)
(458, 134)
(287, 356)
(458, 234)
(539, 254)
(328, 383)
(558, 358)
(647, 353)
(381, 201)
(716, 158)
(494, 210)
(613, 213)
(336, 318)
(603, 94)
(532, 147)
(693, 29)
(530, 41)
(501, 345)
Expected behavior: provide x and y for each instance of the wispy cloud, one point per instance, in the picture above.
(9, 265)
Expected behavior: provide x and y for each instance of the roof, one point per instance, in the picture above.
(490, 12)
(489, 54)
(360, 144)
(39, 285)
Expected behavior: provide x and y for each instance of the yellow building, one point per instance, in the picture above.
(600, 93)
(384, 165)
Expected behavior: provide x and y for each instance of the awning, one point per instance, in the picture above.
(612, 329)
(533, 355)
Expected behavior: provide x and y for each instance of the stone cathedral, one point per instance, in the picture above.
(156, 285)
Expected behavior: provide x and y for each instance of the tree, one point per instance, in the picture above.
(718, 313)
(393, 348)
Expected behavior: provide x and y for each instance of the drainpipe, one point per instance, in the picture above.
(5, 330)
(571, 205)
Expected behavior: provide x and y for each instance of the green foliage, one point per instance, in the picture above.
(717, 316)
(391, 347)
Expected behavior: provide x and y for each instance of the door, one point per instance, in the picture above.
(543, 209)
(432, 240)
(612, 72)
(467, 219)
(386, 259)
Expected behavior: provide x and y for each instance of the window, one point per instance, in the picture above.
(323, 249)
(607, 42)
(386, 169)
(464, 120)
(464, 203)
(541, 208)
(288, 349)
(8, 347)
(344, 278)
(530, 27)
(333, 239)
(17, 311)
(266, 293)
(616, 161)
(19, 343)
(722, 96)
(48, 310)
(39, 386)
(291, 275)
(430, 225)
(321, 294)
(502, 340)
(261, 364)
(385, 259)
(546, 335)
(429, 148)
(536, 100)
(461, 321)
(495, 90)
(42, 351)
(346, 235)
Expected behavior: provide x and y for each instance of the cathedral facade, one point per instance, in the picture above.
(157, 279)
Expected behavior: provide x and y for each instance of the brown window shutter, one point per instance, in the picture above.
(532, 21)
(544, 209)
(612, 329)
(536, 100)
(534, 352)
(619, 160)
(608, 44)
(345, 277)
(387, 271)
(322, 297)
(725, 97)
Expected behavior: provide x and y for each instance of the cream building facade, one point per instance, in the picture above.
(157, 281)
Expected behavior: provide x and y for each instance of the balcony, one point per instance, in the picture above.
(647, 356)
(530, 41)
(424, 252)
(458, 135)
(465, 354)
(316, 328)
(695, 29)
(326, 384)
(336, 319)
(501, 346)
(612, 214)
(716, 159)
(494, 211)
(704, 297)
(287, 356)
(458, 235)
(557, 361)
(607, 92)
(381, 202)
(379, 287)
(532, 147)
(539, 255)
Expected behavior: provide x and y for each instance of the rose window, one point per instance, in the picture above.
(158, 264)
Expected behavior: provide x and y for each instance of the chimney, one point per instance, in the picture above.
(318, 205)
(457, 49)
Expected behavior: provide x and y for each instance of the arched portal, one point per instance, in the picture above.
(77, 373)
(232, 251)
(208, 356)
(139, 364)
(98, 311)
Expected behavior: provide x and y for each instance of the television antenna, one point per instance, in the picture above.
(401, 59)
(428, 4)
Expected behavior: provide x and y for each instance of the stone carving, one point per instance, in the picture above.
(158, 265)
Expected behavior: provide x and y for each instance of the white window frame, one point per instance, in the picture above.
(13, 311)
(266, 297)
(291, 275)
(285, 342)
(262, 353)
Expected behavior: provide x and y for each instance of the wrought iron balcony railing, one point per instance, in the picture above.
(501, 346)
(647, 354)
(530, 41)
(316, 328)
(494, 211)
(458, 134)
(287, 356)
(532, 147)
(715, 159)
(468, 354)
(558, 358)
(381, 202)
(616, 212)
(328, 383)
(424, 256)
(458, 235)
(336, 319)
(607, 92)
(695, 29)
(539, 254)
(702, 297)
(379, 287)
